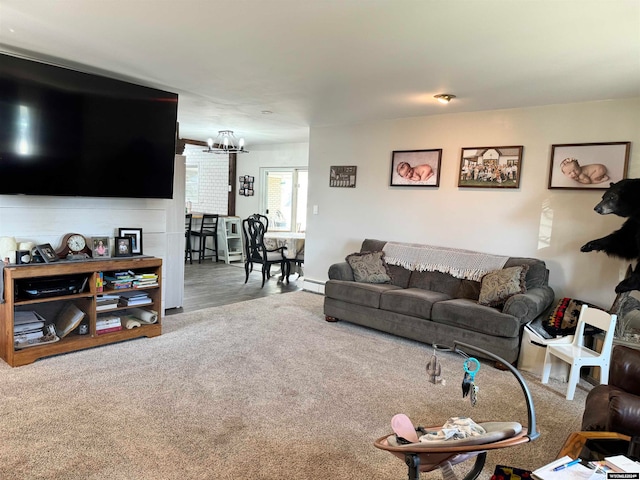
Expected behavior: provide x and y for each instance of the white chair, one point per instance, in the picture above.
(577, 355)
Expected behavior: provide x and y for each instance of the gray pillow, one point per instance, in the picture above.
(369, 267)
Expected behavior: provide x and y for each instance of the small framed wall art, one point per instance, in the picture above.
(123, 247)
(135, 234)
(101, 247)
(343, 176)
(415, 168)
(588, 165)
(490, 167)
(246, 186)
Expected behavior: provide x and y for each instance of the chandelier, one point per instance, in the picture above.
(226, 142)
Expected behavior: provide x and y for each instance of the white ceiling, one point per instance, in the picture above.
(328, 62)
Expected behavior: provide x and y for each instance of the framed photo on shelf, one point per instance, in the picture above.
(122, 247)
(47, 253)
(101, 247)
(135, 234)
(490, 167)
(415, 168)
(589, 166)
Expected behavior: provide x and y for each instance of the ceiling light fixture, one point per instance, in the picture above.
(226, 142)
(444, 97)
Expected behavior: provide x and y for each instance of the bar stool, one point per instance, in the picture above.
(188, 252)
(208, 228)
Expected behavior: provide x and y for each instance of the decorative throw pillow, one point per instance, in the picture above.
(499, 285)
(564, 318)
(369, 267)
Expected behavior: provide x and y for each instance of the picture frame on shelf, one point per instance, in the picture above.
(135, 234)
(47, 253)
(122, 247)
(343, 176)
(415, 168)
(101, 247)
(490, 167)
(588, 166)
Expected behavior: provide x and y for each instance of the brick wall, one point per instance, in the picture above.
(213, 184)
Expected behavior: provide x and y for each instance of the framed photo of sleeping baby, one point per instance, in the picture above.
(415, 168)
(593, 166)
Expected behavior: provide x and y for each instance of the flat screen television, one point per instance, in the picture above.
(70, 133)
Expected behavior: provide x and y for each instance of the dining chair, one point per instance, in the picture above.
(262, 218)
(256, 251)
(208, 228)
(188, 252)
(577, 355)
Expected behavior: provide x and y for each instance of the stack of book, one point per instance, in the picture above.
(145, 280)
(106, 302)
(107, 324)
(28, 329)
(131, 299)
(119, 280)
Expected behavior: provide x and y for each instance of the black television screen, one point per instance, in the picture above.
(64, 132)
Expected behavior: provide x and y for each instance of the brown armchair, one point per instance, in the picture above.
(616, 407)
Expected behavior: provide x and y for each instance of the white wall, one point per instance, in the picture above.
(514, 222)
(41, 219)
(213, 179)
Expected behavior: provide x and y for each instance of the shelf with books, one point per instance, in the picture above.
(83, 304)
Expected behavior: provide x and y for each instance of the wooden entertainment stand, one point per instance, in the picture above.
(15, 276)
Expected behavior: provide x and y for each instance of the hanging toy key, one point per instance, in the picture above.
(471, 367)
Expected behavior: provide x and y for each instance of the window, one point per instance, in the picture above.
(284, 198)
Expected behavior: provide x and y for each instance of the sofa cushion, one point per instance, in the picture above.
(537, 276)
(369, 267)
(499, 285)
(415, 302)
(367, 294)
(436, 282)
(467, 314)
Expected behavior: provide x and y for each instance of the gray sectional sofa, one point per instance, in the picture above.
(438, 308)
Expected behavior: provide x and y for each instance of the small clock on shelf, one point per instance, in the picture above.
(74, 247)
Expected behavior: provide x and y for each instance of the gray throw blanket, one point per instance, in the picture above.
(459, 263)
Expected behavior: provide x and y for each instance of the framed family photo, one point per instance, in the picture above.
(588, 165)
(415, 168)
(135, 234)
(101, 247)
(490, 167)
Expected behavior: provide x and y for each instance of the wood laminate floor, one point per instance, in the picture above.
(212, 284)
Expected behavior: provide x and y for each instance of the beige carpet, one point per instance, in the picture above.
(264, 389)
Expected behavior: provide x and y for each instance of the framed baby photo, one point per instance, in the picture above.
(588, 165)
(415, 168)
(101, 247)
(490, 167)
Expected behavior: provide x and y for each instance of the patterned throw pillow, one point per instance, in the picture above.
(369, 267)
(499, 285)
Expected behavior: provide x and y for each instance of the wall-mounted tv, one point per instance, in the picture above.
(70, 133)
